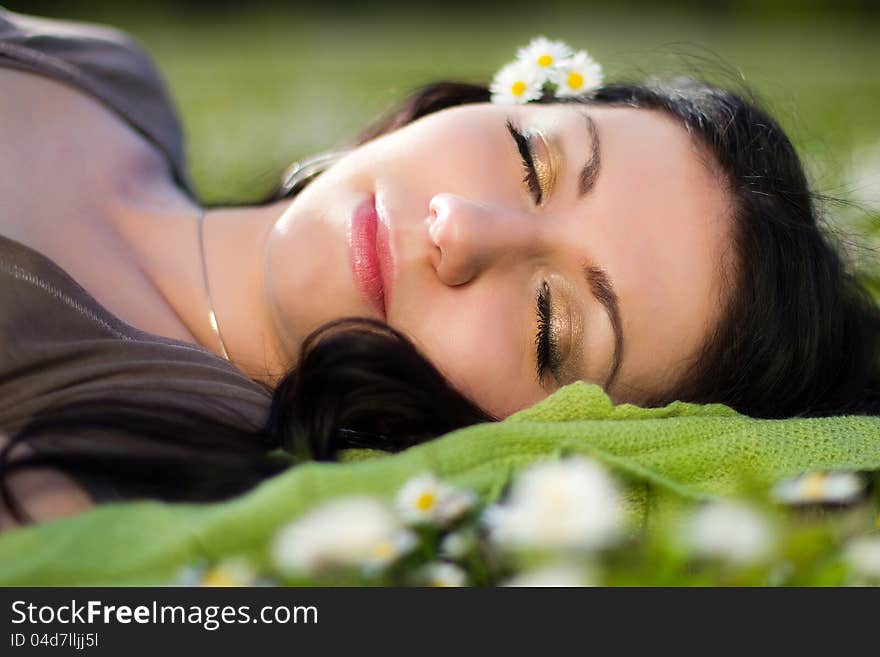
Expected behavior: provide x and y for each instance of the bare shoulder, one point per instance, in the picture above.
(44, 493)
(65, 154)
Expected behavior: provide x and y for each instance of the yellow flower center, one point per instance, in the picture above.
(384, 550)
(814, 486)
(219, 577)
(575, 80)
(518, 88)
(426, 500)
(545, 60)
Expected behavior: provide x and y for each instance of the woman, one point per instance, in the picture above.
(659, 240)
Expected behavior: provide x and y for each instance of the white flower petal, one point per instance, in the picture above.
(731, 531)
(577, 75)
(443, 574)
(417, 499)
(350, 531)
(454, 504)
(569, 504)
(819, 487)
(517, 83)
(863, 556)
(426, 500)
(457, 544)
(389, 550)
(544, 53)
(553, 576)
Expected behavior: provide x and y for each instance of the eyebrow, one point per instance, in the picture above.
(590, 172)
(602, 289)
(597, 278)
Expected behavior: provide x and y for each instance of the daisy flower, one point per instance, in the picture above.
(570, 504)
(863, 556)
(443, 574)
(730, 531)
(820, 487)
(577, 75)
(424, 499)
(518, 82)
(455, 504)
(388, 550)
(230, 572)
(353, 531)
(544, 54)
(456, 545)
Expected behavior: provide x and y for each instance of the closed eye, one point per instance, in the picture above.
(525, 152)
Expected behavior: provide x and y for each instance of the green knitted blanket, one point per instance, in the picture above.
(684, 450)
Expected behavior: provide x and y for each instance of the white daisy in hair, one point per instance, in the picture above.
(577, 75)
(544, 54)
(517, 83)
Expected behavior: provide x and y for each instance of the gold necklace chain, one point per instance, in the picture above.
(212, 317)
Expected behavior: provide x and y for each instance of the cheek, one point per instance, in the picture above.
(307, 279)
(477, 339)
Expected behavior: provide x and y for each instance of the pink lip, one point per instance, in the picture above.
(370, 255)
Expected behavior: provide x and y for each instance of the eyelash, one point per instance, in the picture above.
(531, 175)
(543, 346)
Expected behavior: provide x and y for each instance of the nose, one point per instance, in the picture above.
(470, 237)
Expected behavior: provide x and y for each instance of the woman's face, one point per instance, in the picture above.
(604, 263)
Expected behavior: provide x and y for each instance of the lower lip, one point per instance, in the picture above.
(368, 248)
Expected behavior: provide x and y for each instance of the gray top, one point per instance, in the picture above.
(57, 343)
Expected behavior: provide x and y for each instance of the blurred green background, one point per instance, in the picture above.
(260, 84)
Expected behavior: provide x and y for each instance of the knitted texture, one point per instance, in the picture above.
(687, 451)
